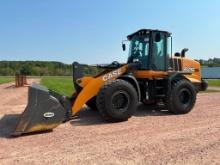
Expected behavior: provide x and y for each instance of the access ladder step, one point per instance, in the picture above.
(161, 96)
(159, 87)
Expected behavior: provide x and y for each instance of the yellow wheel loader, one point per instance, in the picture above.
(151, 75)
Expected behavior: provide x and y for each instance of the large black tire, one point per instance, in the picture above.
(92, 104)
(182, 97)
(117, 101)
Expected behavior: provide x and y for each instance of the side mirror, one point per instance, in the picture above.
(123, 47)
(183, 52)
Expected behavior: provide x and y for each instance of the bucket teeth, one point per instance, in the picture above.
(44, 111)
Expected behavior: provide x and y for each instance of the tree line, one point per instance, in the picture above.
(211, 62)
(40, 68)
(53, 68)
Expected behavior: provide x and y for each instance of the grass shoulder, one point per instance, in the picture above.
(60, 84)
(209, 91)
(214, 82)
(6, 79)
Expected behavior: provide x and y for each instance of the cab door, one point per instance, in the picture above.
(159, 51)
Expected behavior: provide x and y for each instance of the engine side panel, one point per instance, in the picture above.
(193, 67)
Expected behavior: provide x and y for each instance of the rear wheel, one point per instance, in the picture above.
(182, 97)
(117, 101)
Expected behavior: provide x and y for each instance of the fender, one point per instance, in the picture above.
(133, 81)
(175, 76)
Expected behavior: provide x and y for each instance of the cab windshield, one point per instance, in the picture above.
(139, 50)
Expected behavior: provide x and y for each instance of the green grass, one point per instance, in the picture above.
(214, 83)
(209, 91)
(62, 85)
(6, 79)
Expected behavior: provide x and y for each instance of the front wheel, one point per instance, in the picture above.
(117, 101)
(182, 97)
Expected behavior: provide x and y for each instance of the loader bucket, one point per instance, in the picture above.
(44, 111)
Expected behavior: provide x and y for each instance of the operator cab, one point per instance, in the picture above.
(149, 48)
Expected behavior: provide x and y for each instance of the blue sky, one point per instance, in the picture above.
(91, 31)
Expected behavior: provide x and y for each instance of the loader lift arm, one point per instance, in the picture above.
(91, 85)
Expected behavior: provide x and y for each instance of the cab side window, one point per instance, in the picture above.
(159, 51)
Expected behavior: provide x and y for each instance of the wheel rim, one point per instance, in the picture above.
(120, 101)
(185, 96)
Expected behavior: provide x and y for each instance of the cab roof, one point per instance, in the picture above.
(146, 31)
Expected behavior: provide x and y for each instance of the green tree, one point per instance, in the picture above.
(25, 70)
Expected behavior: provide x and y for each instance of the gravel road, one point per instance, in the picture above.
(151, 136)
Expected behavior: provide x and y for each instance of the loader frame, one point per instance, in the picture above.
(135, 81)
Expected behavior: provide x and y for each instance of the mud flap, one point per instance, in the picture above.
(44, 111)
